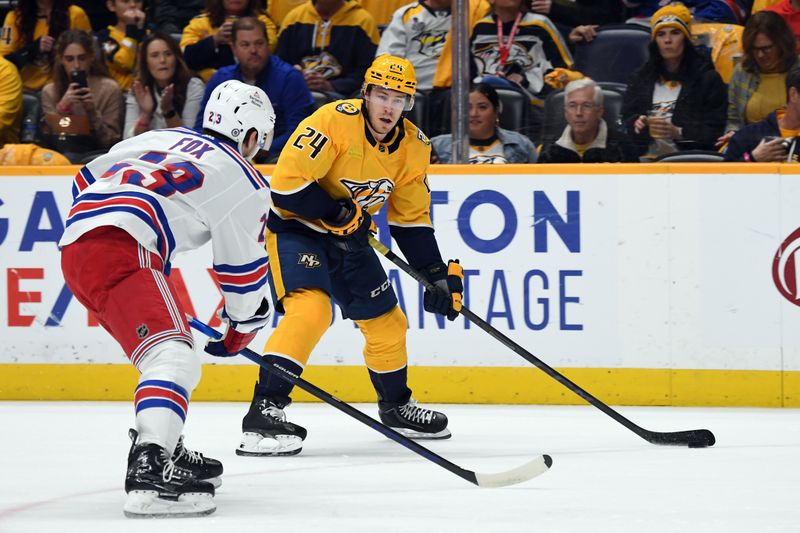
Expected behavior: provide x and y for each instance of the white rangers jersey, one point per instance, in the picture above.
(417, 33)
(172, 190)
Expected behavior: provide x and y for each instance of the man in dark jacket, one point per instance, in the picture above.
(587, 138)
(288, 92)
(773, 139)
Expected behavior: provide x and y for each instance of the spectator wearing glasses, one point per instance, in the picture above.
(775, 137)
(488, 142)
(757, 84)
(587, 138)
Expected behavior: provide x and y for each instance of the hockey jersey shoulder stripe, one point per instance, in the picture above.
(82, 180)
(138, 204)
(253, 175)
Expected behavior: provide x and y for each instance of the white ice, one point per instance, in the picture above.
(62, 468)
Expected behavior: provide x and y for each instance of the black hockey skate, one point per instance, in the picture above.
(265, 430)
(158, 488)
(202, 468)
(413, 421)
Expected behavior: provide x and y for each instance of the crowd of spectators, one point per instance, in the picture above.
(722, 75)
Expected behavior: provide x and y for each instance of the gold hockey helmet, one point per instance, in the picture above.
(392, 72)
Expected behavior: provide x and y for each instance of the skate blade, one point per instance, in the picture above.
(258, 445)
(418, 435)
(147, 504)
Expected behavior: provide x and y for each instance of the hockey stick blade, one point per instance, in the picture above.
(529, 470)
(693, 438)
(697, 438)
(514, 476)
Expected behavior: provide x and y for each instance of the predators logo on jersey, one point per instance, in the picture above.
(373, 192)
(324, 64)
(347, 108)
(430, 43)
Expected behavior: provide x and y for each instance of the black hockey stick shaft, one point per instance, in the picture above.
(482, 480)
(693, 438)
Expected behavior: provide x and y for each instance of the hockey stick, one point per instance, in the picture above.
(695, 438)
(522, 473)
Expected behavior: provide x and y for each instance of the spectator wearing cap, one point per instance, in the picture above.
(587, 138)
(676, 100)
(284, 85)
(766, 140)
(757, 84)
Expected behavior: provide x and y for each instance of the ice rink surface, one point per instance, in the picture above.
(63, 468)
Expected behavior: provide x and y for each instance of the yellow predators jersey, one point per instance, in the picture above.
(36, 73)
(119, 51)
(334, 149)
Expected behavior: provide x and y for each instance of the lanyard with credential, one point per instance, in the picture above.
(506, 48)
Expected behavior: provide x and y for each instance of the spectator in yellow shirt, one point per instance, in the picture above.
(206, 41)
(29, 33)
(10, 102)
(120, 42)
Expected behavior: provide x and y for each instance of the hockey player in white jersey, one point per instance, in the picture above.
(150, 198)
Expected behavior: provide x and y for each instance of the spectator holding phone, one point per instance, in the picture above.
(206, 41)
(83, 91)
(29, 33)
(775, 137)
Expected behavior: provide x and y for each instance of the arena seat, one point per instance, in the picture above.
(691, 156)
(515, 113)
(615, 53)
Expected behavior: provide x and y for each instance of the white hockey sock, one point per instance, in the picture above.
(169, 373)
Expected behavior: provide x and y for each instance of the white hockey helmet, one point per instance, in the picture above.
(234, 108)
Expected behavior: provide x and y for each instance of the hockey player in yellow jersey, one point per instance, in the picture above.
(342, 164)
